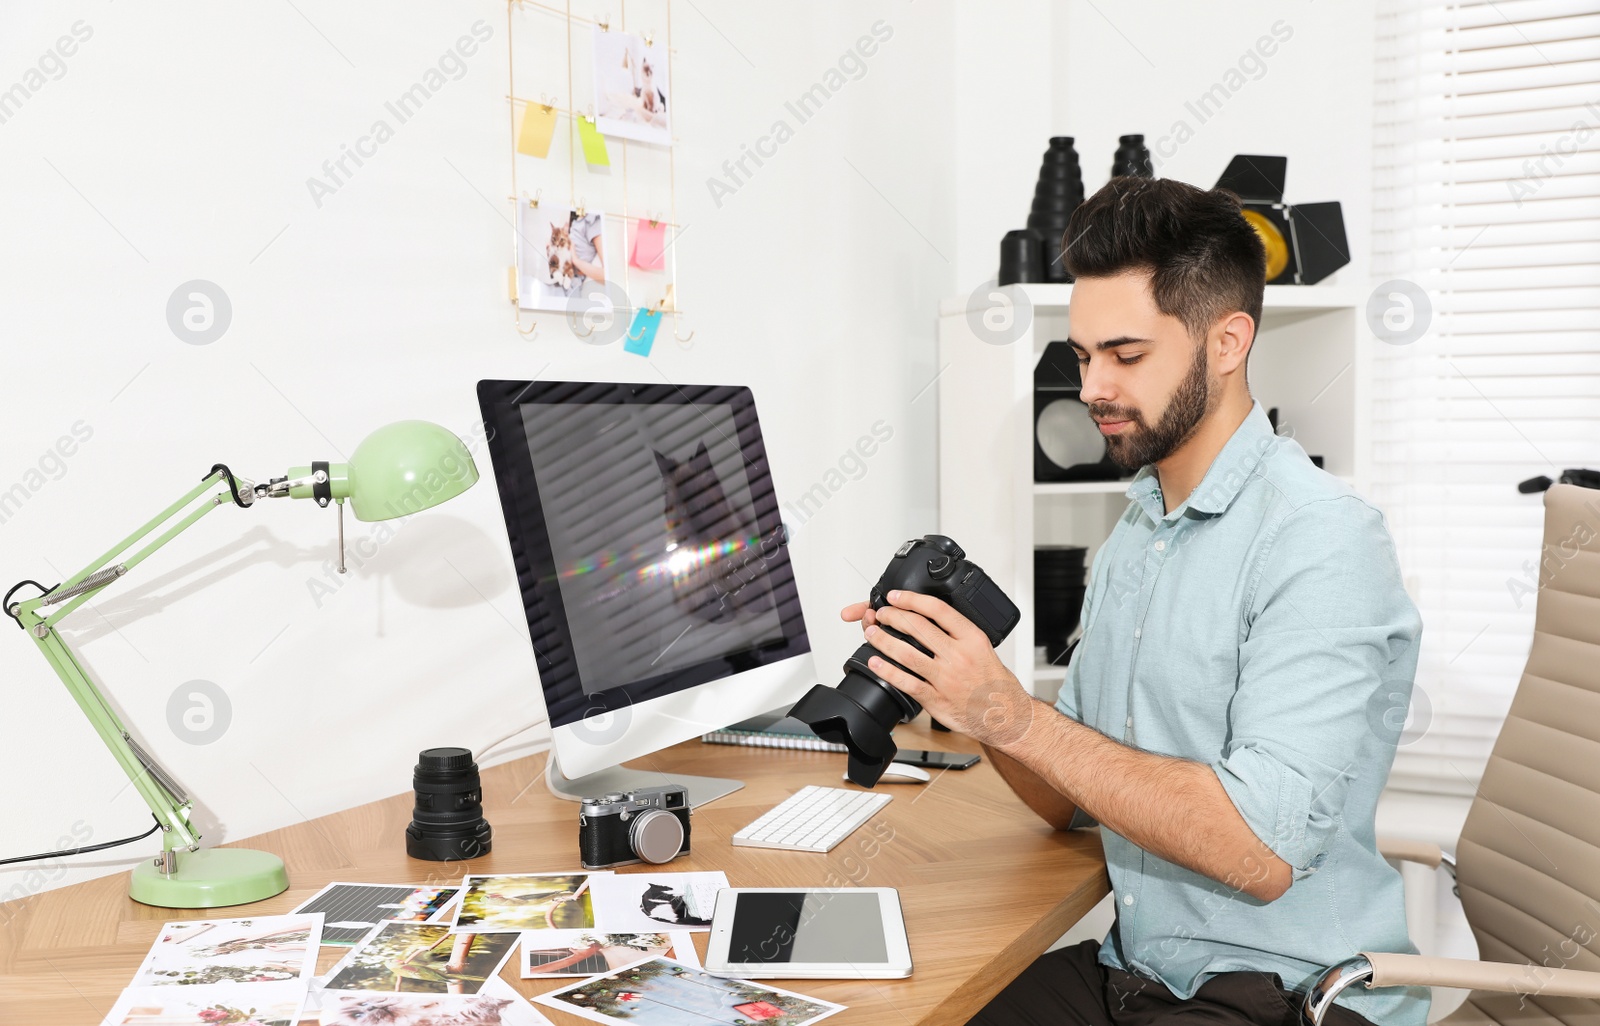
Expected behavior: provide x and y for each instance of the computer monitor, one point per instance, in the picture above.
(653, 566)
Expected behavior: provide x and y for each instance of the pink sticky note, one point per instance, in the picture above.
(649, 245)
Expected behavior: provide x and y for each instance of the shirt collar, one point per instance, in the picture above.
(1223, 479)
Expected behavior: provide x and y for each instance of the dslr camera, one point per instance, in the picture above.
(862, 711)
(624, 828)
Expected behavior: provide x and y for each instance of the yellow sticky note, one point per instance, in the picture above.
(538, 125)
(594, 144)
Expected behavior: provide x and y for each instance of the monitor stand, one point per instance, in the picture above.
(622, 778)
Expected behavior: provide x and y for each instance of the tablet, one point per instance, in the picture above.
(821, 933)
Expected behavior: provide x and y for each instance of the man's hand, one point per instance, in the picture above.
(963, 683)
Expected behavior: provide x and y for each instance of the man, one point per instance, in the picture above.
(1241, 620)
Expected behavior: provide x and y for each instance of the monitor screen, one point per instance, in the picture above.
(646, 535)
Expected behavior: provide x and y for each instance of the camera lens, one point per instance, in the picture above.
(861, 713)
(447, 823)
(656, 836)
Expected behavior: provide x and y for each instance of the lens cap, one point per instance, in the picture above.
(656, 836)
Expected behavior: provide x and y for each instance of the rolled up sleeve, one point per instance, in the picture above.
(1329, 627)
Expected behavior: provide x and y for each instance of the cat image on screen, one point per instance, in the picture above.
(713, 555)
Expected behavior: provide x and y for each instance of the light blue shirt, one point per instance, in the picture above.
(1260, 628)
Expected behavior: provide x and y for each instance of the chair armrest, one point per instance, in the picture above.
(1423, 852)
(1386, 969)
(1406, 850)
(1391, 970)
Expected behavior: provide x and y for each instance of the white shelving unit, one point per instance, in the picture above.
(1306, 361)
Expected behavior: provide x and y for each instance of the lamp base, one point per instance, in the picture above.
(210, 878)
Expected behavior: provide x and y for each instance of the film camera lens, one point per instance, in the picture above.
(863, 710)
(447, 823)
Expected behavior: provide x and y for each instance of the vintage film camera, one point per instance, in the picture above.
(647, 824)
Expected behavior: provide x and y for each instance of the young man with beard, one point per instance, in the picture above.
(1240, 620)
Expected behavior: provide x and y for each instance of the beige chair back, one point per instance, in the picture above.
(1529, 857)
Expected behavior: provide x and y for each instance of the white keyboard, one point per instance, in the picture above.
(812, 819)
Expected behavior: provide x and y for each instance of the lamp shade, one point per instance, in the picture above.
(406, 467)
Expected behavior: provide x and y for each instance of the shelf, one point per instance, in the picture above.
(1048, 671)
(1048, 298)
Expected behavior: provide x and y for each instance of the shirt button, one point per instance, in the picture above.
(1129, 723)
(1161, 546)
(1127, 899)
(1138, 631)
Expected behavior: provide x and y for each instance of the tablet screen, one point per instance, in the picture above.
(828, 928)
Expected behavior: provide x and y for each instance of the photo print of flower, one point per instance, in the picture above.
(207, 1006)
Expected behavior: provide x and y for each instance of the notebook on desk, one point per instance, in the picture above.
(771, 730)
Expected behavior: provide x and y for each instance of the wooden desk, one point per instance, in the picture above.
(986, 885)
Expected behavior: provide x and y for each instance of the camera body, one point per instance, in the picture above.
(863, 710)
(936, 566)
(625, 828)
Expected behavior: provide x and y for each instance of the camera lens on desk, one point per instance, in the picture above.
(447, 823)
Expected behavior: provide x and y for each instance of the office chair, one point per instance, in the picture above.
(1527, 865)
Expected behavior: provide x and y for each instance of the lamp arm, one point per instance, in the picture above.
(159, 790)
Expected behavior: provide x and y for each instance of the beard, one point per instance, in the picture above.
(1139, 443)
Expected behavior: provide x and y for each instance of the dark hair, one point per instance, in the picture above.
(1203, 257)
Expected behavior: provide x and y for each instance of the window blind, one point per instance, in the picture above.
(1487, 198)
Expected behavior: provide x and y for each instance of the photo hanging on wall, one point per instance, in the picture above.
(561, 257)
(630, 87)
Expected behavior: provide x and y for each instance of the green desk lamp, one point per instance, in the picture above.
(396, 471)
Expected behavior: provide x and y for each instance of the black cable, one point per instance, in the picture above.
(84, 850)
(5, 603)
(233, 485)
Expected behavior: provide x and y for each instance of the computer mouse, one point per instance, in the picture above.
(902, 773)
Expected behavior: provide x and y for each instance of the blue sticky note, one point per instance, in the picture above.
(642, 332)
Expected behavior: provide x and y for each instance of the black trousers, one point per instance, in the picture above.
(1069, 987)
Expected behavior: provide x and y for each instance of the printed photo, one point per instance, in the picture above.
(352, 910)
(587, 952)
(561, 258)
(495, 1005)
(660, 992)
(259, 950)
(447, 911)
(421, 958)
(270, 1005)
(642, 901)
(550, 901)
(630, 88)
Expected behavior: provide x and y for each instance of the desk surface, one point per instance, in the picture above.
(986, 886)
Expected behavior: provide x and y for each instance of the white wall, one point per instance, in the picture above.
(177, 145)
(1135, 67)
